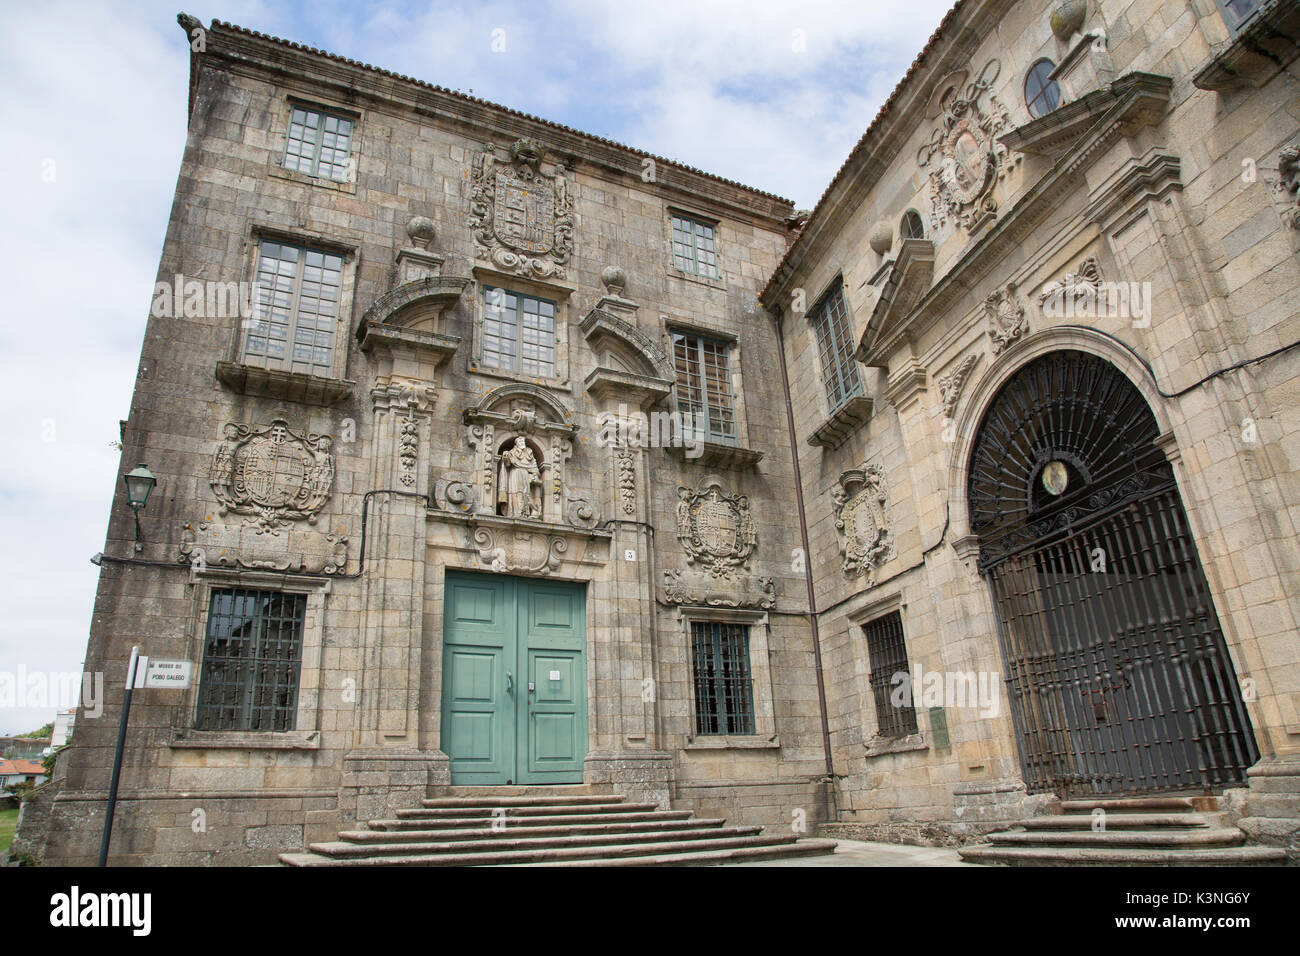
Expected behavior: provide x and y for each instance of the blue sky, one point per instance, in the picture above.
(93, 100)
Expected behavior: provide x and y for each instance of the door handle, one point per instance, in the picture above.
(510, 683)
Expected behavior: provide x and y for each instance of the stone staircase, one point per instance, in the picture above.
(547, 826)
(1134, 831)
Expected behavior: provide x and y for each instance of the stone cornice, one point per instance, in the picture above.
(908, 280)
(350, 81)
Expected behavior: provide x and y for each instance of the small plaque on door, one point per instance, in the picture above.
(555, 675)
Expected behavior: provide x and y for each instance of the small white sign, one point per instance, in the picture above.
(629, 554)
(555, 675)
(173, 675)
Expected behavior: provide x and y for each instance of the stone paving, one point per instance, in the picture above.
(863, 853)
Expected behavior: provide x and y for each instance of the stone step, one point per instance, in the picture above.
(1140, 804)
(670, 851)
(510, 842)
(1119, 821)
(527, 820)
(523, 800)
(427, 835)
(1167, 838)
(1129, 856)
(803, 847)
(526, 790)
(481, 810)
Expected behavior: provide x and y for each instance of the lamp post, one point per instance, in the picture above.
(139, 482)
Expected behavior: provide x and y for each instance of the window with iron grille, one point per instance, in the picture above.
(724, 687)
(694, 247)
(518, 333)
(251, 659)
(1237, 13)
(296, 309)
(887, 652)
(830, 322)
(318, 143)
(704, 384)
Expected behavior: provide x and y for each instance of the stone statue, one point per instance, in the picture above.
(519, 475)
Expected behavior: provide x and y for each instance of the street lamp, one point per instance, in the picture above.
(139, 482)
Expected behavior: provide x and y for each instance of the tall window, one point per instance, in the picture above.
(251, 660)
(830, 321)
(694, 248)
(887, 652)
(704, 384)
(318, 144)
(1237, 13)
(724, 687)
(297, 308)
(1042, 95)
(518, 333)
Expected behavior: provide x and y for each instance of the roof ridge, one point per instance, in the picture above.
(294, 45)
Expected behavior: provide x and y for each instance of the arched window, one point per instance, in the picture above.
(912, 226)
(1042, 95)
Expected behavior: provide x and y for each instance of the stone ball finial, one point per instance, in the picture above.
(615, 280)
(881, 236)
(421, 231)
(1067, 18)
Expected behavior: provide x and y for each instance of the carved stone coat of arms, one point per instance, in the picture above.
(715, 529)
(862, 523)
(521, 217)
(272, 473)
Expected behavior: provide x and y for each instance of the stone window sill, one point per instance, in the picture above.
(733, 742)
(880, 746)
(277, 383)
(559, 385)
(278, 170)
(245, 740)
(843, 422)
(699, 279)
(1263, 48)
(717, 454)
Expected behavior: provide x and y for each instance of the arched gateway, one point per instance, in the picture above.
(1116, 668)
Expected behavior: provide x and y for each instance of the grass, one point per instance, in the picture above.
(8, 823)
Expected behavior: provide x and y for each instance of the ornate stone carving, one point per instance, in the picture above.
(614, 280)
(1007, 318)
(693, 588)
(626, 482)
(518, 481)
(272, 474)
(580, 512)
(1288, 168)
(963, 153)
(862, 522)
(219, 546)
(504, 550)
(950, 385)
(521, 216)
(715, 529)
(409, 450)
(1080, 289)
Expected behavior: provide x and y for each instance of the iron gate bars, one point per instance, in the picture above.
(1117, 671)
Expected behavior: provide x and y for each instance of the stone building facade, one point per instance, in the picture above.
(440, 513)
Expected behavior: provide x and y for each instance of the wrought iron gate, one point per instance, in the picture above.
(1116, 668)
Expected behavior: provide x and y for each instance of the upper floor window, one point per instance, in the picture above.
(318, 143)
(297, 309)
(518, 333)
(724, 688)
(1042, 95)
(694, 247)
(251, 660)
(911, 227)
(1237, 13)
(830, 321)
(704, 384)
(887, 652)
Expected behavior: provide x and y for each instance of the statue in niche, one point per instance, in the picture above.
(519, 476)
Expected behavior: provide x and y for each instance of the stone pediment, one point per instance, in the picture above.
(909, 279)
(409, 316)
(628, 364)
(1053, 134)
(523, 408)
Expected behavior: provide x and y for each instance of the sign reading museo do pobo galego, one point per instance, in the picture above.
(169, 675)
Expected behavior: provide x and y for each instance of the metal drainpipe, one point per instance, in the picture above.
(807, 554)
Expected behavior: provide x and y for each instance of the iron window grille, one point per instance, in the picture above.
(251, 660)
(318, 144)
(296, 309)
(1237, 13)
(1042, 94)
(704, 384)
(694, 247)
(887, 652)
(724, 686)
(518, 333)
(830, 322)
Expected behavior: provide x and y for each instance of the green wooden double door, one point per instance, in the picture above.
(514, 680)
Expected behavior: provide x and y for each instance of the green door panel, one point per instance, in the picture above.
(514, 680)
